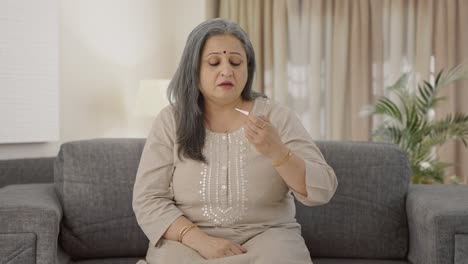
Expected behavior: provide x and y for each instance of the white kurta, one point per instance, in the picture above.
(237, 195)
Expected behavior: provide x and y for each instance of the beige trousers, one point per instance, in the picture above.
(274, 246)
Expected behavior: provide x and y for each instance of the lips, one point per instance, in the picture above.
(226, 84)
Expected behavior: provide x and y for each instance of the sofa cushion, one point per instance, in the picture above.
(30, 209)
(461, 248)
(94, 179)
(17, 248)
(110, 261)
(357, 261)
(366, 218)
(29, 170)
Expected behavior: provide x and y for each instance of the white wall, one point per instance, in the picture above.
(29, 61)
(106, 47)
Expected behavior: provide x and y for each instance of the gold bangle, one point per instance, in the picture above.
(184, 231)
(283, 160)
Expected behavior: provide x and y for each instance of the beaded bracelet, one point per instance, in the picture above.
(184, 231)
(283, 160)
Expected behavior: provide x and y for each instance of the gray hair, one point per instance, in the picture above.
(184, 91)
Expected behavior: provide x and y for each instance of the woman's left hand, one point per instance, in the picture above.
(264, 136)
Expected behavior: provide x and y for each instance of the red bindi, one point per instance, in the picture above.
(224, 52)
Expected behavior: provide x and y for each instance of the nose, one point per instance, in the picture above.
(226, 71)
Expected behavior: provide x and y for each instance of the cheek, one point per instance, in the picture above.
(206, 77)
(244, 75)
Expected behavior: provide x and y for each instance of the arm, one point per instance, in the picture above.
(312, 182)
(309, 177)
(153, 202)
(292, 169)
(306, 172)
(438, 223)
(30, 217)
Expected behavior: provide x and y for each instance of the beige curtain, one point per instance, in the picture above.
(450, 39)
(351, 81)
(326, 59)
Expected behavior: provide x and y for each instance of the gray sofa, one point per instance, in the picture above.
(376, 217)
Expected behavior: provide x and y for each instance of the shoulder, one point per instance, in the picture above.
(166, 115)
(164, 125)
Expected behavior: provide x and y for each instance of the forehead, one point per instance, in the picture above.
(221, 43)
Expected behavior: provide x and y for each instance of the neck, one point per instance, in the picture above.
(218, 110)
(219, 117)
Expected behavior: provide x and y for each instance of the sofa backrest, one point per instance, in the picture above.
(94, 180)
(366, 218)
(26, 170)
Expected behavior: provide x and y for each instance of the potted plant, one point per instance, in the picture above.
(408, 120)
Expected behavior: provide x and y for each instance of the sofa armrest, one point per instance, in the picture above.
(438, 224)
(30, 217)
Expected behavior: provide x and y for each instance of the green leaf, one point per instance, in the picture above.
(386, 107)
(437, 80)
(401, 83)
(456, 73)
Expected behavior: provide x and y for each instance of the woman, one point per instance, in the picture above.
(213, 184)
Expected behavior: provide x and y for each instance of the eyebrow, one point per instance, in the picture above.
(218, 53)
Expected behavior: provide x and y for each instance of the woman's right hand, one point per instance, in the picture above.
(211, 247)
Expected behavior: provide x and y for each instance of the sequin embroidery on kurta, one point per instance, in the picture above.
(223, 186)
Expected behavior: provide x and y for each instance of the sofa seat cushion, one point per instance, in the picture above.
(356, 261)
(109, 261)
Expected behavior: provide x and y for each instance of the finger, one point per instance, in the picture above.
(261, 124)
(254, 127)
(241, 248)
(264, 118)
(251, 128)
(253, 137)
(236, 250)
(257, 121)
(249, 136)
(229, 253)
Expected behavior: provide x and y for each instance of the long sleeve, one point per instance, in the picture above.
(153, 202)
(320, 179)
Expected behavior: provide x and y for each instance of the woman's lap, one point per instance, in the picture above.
(275, 245)
(279, 245)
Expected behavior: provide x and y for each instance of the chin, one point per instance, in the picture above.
(228, 97)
